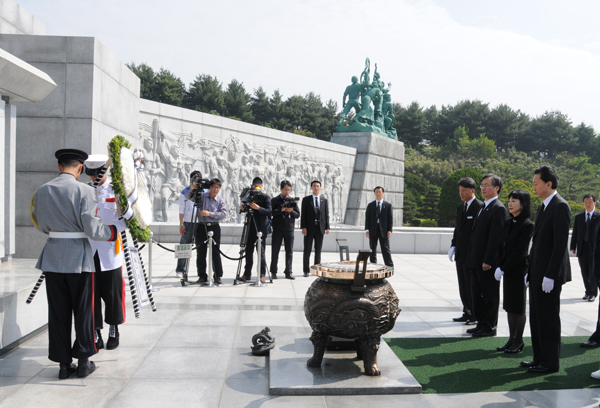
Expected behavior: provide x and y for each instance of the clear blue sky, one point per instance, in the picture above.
(533, 55)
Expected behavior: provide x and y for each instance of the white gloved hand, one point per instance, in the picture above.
(451, 253)
(498, 274)
(526, 281)
(121, 226)
(547, 285)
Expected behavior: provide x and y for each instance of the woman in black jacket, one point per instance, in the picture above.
(513, 257)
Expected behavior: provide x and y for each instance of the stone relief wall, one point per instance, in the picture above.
(236, 159)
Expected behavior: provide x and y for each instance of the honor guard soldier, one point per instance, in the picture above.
(109, 284)
(65, 209)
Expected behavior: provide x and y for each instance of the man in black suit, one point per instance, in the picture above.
(481, 252)
(549, 269)
(583, 244)
(594, 340)
(262, 218)
(465, 215)
(314, 221)
(284, 216)
(379, 221)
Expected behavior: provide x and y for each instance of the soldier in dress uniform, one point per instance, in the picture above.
(66, 210)
(109, 284)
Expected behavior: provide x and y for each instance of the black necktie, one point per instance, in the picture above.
(317, 209)
(539, 214)
(379, 207)
(587, 223)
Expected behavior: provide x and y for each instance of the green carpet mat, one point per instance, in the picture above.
(462, 365)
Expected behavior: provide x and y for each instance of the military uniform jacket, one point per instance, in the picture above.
(66, 205)
(107, 211)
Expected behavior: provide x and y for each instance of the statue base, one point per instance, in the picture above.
(379, 162)
(359, 127)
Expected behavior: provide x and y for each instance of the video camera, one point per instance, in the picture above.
(249, 196)
(289, 202)
(201, 185)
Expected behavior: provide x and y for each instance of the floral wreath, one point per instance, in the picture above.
(129, 187)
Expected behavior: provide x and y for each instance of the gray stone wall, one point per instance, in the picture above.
(177, 140)
(379, 162)
(14, 19)
(97, 97)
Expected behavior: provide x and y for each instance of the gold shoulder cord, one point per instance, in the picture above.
(31, 212)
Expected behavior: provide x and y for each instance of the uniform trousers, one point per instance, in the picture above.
(384, 242)
(316, 236)
(586, 264)
(288, 239)
(596, 335)
(202, 250)
(486, 298)
(464, 287)
(70, 295)
(110, 287)
(250, 248)
(544, 321)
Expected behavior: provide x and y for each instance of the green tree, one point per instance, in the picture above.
(550, 134)
(431, 202)
(450, 198)
(169, 88)
(205, 94)
(147, 80)
(277, 108)
(505, 126)
(410, 124)
(237, 102)
(259, 105)
(410, 208)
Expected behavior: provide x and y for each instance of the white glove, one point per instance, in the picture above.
(498, 274)
(121, 226)
(451, 253)
(526, 281)
(547, 285)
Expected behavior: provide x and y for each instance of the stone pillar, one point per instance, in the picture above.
(2, 177)
(379, 162)
(10, 154)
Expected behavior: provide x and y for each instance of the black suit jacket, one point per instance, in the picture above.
(307, 217)
(463, 229)
(513, 252)
(549, 256)
(262, 216)
(386, 218)
(283, 220)
(579, 230)
(486, 235)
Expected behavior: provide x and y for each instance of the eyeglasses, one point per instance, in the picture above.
(484, 186)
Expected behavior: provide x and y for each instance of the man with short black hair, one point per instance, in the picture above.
(379, 222)
(214, 209)
(186, 208)
(465, 216)
(583, 244)
(549, 269)
(284, 217)
(314, 222)
(481, 252)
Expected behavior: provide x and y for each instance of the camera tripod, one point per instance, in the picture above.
(248, 222)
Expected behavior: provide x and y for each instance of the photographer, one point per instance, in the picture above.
(261, 214)
(186, 208)
(285, 212)
(212, 209)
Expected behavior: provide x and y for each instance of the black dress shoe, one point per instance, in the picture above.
(85, 368)
(66, 370)
(99, 341)
(218, 281)
(243, 278)
(273, 276)
(589, 344)
(200, 281)
(473, 330)
(306, 274)
(515, 349)
(484, 333)
(528, 364)
(289, 276)
(471, 321)
(591, 298)
(585, 297)
(462, 319)
(538, 369)
(507, 345)
(113, 341)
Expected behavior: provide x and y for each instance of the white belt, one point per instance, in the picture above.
(67, 235)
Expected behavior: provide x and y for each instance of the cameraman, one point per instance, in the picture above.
(261, 223)
(284, 216)
(186, 208)
(214, 209)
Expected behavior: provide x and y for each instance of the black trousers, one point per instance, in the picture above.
(316, 236)
(544, 321)
(202, 250)
(585, 256)
(384, 242)
(288, 240)
(596, 335)
(486, 298)
(463, 274)
(250, 248)
(110, 287)
(70, 295)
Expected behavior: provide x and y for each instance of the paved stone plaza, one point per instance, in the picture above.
(195, 350)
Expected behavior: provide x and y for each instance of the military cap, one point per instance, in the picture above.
(71, 154)
(94, 163)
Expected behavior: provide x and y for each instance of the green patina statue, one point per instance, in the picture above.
(374, 112)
